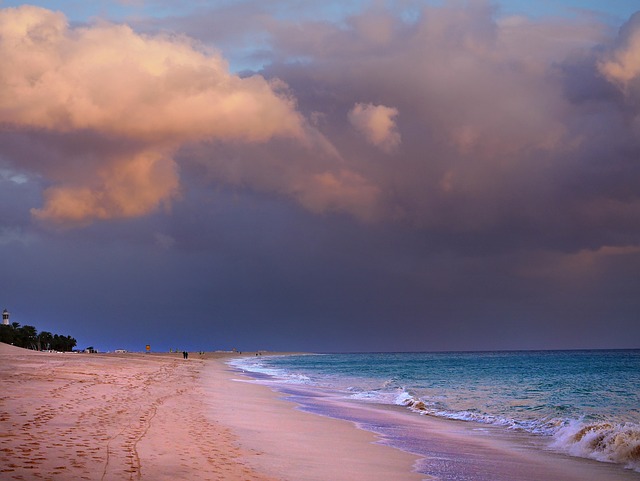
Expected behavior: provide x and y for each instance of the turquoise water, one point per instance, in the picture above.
(584, 403)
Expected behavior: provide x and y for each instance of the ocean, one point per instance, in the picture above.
(578, 403)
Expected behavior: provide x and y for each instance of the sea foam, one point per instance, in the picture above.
(608, 442)
(604, 441)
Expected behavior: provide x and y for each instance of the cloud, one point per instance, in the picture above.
(111, 79)
(164, 241)
(340, 191)
(504, 124)
(10, 235)
(377, 123)
(514, 184)
(152, 93)
(621, 66)
(128, 187)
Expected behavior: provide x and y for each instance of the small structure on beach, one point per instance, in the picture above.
(5, 317)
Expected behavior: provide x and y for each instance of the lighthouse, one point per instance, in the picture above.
(5, 317)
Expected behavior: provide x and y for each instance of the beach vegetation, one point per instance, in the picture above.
(29, 338)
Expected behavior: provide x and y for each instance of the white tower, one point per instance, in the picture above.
(5, 317)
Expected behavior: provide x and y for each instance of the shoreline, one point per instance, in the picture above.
(453, 449)
(292, 444)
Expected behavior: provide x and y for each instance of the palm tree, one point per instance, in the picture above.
(28, 337)
(44, 340)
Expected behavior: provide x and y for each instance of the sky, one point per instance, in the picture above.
(322, 176)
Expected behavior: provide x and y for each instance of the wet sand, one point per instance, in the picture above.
(460, 450)
(293, 445)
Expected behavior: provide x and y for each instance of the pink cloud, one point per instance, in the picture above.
(621, 66)
(498, 120)
(153, 92)
(481, 104)
(377, 123)
(342, 191)
(128, 187)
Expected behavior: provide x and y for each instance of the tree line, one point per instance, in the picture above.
(29, 338)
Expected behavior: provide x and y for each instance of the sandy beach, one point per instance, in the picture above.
(137, 416)
(157, 416)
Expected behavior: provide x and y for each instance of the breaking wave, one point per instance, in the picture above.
(607, 442)
(257, 366)
(602, 441)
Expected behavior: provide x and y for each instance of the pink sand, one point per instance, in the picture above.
(159, 417)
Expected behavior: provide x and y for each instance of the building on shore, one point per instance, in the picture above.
(5, 317)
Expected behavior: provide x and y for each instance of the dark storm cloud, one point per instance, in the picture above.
(490, 141)
(448, 180)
